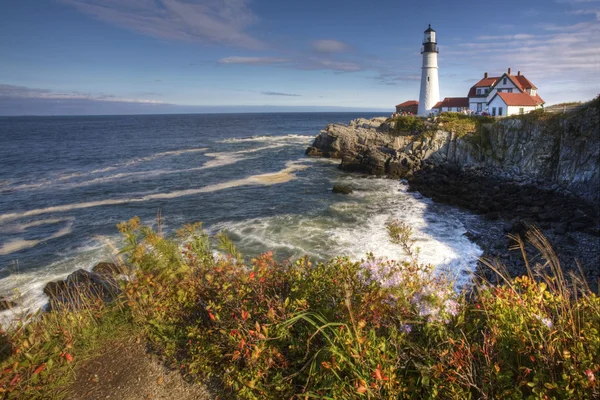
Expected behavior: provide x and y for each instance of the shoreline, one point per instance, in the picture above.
(510, 202)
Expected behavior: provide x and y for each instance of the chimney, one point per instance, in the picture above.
(518, 73)
(509, 70)
(485, 75)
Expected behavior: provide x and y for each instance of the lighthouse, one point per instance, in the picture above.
(430, 87)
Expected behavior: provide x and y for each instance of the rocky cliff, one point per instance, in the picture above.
(538, 169)
(561, 151)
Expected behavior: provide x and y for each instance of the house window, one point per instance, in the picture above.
(500, 111)
(521, 110)
(508, 90)
(493, 111)
(485, 91)
(478, 91)
(504, 81)
(479, 105)
(427, 79)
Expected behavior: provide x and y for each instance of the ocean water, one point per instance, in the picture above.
(65, 182)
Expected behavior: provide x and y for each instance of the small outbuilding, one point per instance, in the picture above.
(452, 104)
(408, 107)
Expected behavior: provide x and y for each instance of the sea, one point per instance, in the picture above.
(66, 182)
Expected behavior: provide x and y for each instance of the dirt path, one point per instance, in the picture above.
(126, 371)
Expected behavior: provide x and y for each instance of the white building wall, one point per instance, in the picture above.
(501, 85)
(430, 86)
(497, 102)
(516, 110)
(473, 103)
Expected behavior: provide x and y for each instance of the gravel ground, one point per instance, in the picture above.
(126, 371)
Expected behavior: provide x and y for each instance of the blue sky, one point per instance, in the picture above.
(143, 56)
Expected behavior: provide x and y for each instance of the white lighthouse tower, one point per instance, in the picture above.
(430, 86)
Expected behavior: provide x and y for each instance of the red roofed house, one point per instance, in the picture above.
(452, 104)
(408, 107)
(504, 95)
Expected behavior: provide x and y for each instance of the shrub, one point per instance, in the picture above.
(374, 328)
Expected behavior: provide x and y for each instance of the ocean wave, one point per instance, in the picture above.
(26, 288)
(282, 176)
(15, 245)
(271, 138)
(355, 226)
(219, 160)
(58, 181)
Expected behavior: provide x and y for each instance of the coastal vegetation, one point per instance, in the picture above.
(373, 329)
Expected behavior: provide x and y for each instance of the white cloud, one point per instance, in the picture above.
(339, 66)
(595, 12)
(329, 46)
(205, 21)
(269, 93)
(22, 92)
(519, 36)
(253, 60)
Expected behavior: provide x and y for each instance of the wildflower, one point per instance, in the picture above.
(406, 328)
(545, 321)
(590, 375)
(451, 307)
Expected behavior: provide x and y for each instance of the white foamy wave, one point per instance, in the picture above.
(294, 138)
(355, 226)
(136, 161)
(285, 175)
(27, 288)
(15, 245)
(66, 177)
(17, 228)
(219, 160)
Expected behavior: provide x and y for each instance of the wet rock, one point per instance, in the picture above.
(109, 269)
(79, 288)
(342, 189)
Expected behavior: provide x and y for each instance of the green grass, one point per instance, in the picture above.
(374, 329)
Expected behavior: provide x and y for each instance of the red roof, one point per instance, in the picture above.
(538, 99)
(519, 81)
(408, 103)
(519, 99)
(453, 102)
(525, 83)
(485, 82)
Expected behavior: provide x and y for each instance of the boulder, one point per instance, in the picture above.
(109, 269)
(78, 288)
(342, 189)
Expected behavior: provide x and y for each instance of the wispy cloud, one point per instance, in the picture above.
(394, 78)
(595, 12)
(556, 51)
(22, 92)
(253, 60)
(518, 36)
(329, 64)
(223, 22)
(329, 46)
(269, 93)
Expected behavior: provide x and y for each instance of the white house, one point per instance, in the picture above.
(504, 95)
(511, 103)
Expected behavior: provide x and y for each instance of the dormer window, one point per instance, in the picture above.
(504, 81)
